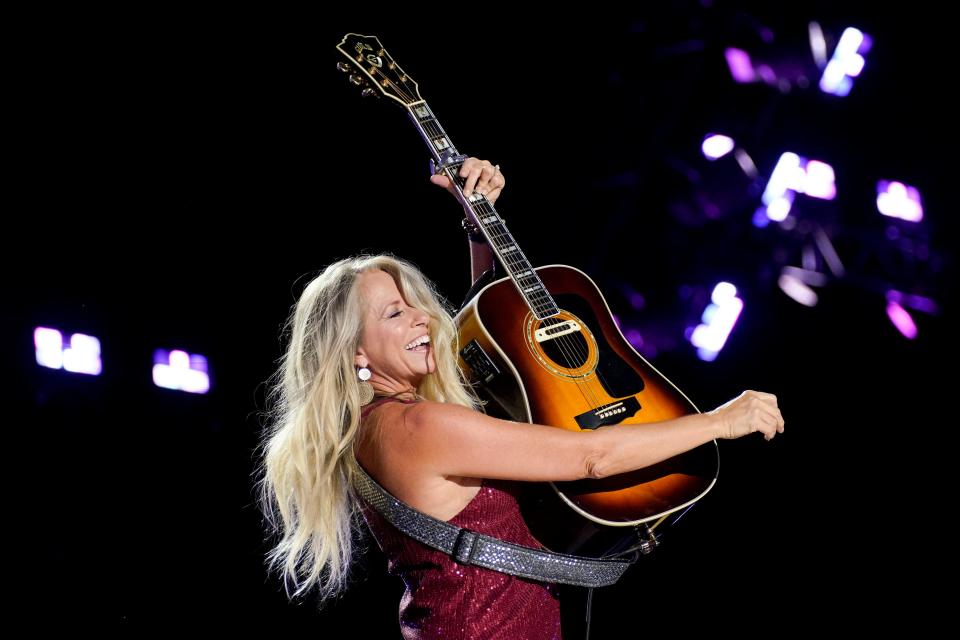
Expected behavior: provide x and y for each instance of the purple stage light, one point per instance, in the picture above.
(796, 174)
(717, 321)
(901, 320)
(920, 303)
(716, 146)
(634, 337)
(899, 200)
(82, 356)
(820, 180)
(181, 371)
(48, 345)
(846, 63)
(797, 289)
(740, 66)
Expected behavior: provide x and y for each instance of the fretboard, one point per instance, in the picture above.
(447, 160)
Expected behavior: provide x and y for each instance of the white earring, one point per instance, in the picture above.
(366, 389)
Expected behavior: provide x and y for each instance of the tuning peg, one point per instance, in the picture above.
(356, 79)
(368, 92)
(343, 66)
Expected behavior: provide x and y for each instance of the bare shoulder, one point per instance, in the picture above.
(432, 415)
(391, 448)
(415, 430)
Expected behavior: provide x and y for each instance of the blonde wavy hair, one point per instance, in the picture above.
(305, 460)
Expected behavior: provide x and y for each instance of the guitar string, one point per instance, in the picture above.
(568, 347)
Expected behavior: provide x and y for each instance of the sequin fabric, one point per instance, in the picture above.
(448, 600)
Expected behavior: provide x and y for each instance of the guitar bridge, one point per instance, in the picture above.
(609, 413)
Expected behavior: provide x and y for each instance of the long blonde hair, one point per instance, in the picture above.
(306, 463)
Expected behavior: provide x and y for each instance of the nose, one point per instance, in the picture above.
(420, 318)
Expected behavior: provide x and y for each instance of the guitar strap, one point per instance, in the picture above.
(485, 278)
(471, 548)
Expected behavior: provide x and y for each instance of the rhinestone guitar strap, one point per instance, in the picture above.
(472, 548)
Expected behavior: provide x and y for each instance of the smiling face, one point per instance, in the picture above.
(394, 343)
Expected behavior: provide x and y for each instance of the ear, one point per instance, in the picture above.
(360, 359)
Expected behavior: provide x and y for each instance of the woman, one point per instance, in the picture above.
(371, 378)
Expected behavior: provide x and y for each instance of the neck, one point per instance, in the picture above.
(400, 390)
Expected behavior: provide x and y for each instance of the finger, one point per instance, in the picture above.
(471, 173)
(497, 182)
(769, 397)
(441, 180)
(777, 417)
(773, 424)
(770, 415)
(470, 164)
(477, 174)
(488, 174)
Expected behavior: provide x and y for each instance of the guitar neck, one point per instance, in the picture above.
(447, 160)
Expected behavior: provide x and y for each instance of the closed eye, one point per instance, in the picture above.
(396, 313)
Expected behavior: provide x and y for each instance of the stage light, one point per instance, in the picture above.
(82, 356)
(795, 174)
(716, 146)
(797, 289)
(846, 63)
(829, 253)
(784, 61)
(898, 200)
(634, 337)
(901, 319)
(820, 181)
(717, 321)
(181, 371)
(920, 303)
(741, 68)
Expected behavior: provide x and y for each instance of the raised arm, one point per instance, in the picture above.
(486, 178)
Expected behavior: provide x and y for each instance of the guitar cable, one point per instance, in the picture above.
(589, 604)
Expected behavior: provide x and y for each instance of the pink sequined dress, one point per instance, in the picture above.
(444, 599)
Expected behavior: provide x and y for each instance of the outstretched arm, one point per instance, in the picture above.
(451, 440)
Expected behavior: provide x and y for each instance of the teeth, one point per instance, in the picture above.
(419, 341)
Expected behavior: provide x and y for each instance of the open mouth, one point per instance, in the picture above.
(419, 345)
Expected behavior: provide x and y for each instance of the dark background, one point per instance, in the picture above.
(176, 178)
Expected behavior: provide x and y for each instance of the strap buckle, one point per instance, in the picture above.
(464, 546)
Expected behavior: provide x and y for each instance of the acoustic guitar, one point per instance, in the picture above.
(541, 345)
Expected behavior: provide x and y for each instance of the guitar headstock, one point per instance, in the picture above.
(371, 67)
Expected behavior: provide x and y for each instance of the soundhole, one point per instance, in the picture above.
(568, 351)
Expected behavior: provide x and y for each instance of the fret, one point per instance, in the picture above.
(422, 112)
(449, 161)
